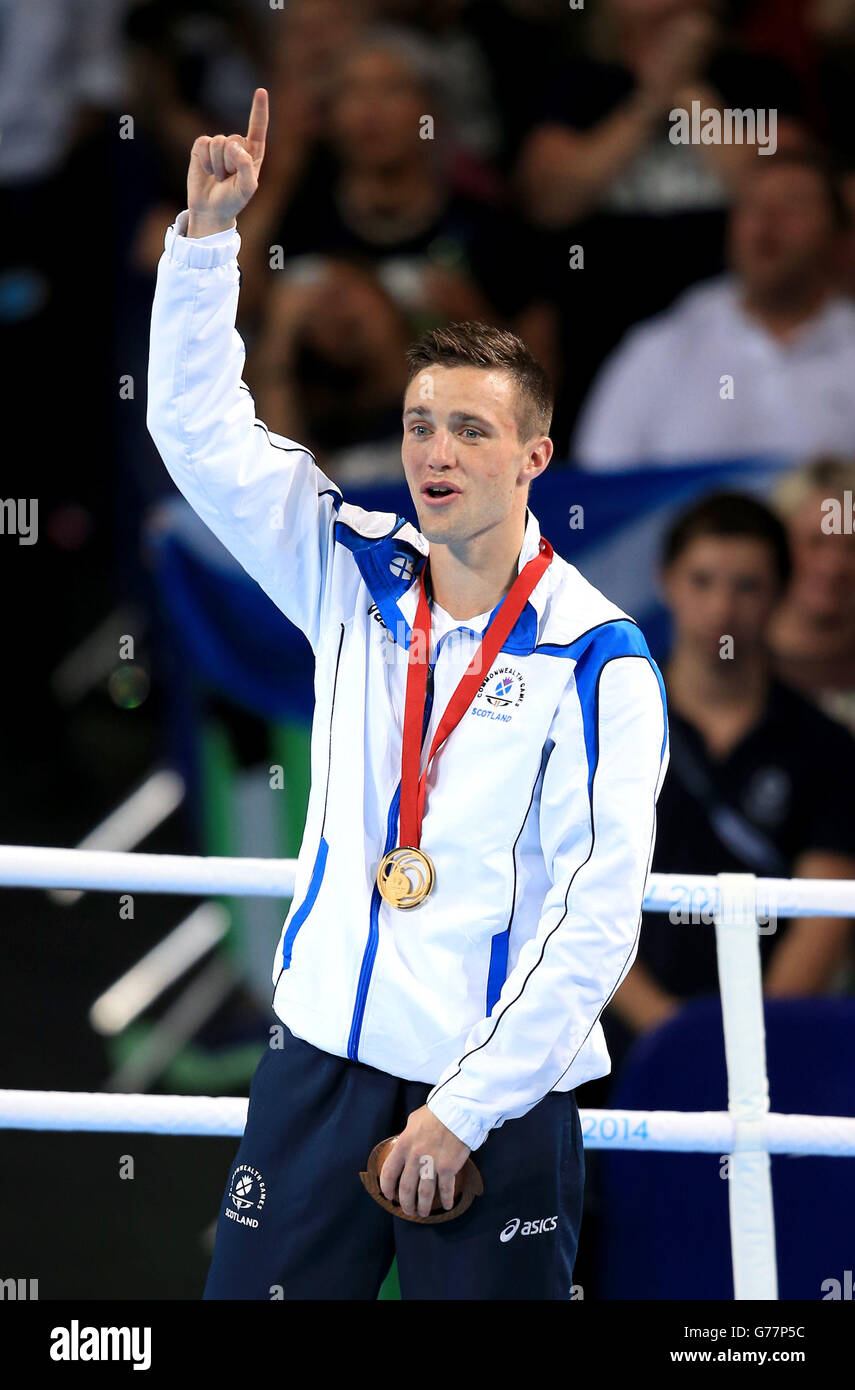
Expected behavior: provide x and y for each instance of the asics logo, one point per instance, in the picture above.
(527, 1228)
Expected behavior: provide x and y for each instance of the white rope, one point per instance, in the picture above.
(697, 895)
(35, 867)
(752, 1220)
(747, 1132)
(675, 1131)
(115, 1113)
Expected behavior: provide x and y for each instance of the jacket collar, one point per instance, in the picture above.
(522, 639)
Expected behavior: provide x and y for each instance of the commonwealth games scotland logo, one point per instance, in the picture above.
(503, 688)
(247, 1192)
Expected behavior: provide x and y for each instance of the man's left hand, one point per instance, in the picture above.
(425, 1154)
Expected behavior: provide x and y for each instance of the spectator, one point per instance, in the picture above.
(759, 362)
(380, 200)
(600, 171)
(62, 85)
(759, 779)
(379, 191)
(812, 633)
(330, 370)
(61, 69)
(495, 57)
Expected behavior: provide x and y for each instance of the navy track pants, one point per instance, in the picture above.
(296, 1222)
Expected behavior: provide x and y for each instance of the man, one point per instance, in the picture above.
(454, 938)
(756, 363)
(759, 777)
(599, 170)
(812, 633)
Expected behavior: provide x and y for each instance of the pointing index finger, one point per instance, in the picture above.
(256, 132)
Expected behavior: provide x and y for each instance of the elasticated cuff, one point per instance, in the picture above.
(201, 252)
(463, 1124)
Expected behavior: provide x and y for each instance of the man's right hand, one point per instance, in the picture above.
(223, 172)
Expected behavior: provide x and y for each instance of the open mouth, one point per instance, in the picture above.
(438, 492)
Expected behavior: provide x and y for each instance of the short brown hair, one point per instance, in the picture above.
(728, 514)
(469, 344)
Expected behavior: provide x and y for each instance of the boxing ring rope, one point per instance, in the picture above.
(739, 905)
(29, 866)
(665, 1131)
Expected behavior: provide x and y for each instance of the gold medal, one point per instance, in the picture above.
(405, 877)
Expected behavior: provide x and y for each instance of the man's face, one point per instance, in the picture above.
(460, 433)
(375, 110)
(823, 563)
(722, 586)
(782, 228)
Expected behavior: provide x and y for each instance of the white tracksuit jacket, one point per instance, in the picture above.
(540, 810)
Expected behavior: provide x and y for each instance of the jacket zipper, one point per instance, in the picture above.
(374, 913)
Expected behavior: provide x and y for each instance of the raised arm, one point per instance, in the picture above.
(261, 494)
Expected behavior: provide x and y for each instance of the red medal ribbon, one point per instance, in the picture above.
(413, 787)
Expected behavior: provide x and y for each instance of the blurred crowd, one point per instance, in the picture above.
(511, 161)
(508, 160)
(446, 159)
(760, 681)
